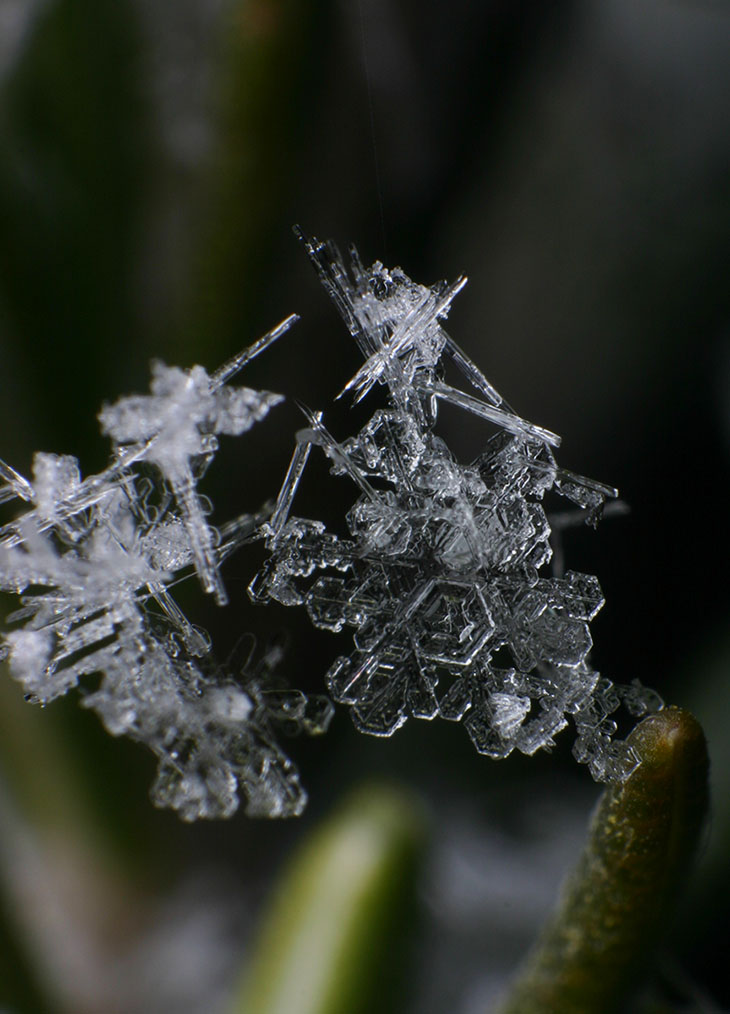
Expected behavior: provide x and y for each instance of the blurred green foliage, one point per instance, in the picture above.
(76, 147)
(336, 935)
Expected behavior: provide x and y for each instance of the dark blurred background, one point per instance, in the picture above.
(573, 160)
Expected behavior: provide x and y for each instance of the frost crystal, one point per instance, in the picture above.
(94, 561)
(440, 577)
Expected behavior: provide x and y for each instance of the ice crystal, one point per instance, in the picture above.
(442, 576)
(94, 561)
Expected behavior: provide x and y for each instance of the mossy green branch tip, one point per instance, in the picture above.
(614, 909)
(337, 922)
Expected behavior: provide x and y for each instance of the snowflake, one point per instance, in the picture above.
(440, 577)
(94, 562)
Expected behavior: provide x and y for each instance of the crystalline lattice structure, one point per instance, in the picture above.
(94, 561)
(442, 577)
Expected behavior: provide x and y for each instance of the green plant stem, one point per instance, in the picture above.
(336, 926)
(614, 909)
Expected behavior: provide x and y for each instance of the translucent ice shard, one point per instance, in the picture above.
(441, 577)
(94, 562)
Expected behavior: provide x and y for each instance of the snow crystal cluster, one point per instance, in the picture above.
(441, 577)
(94, 561)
